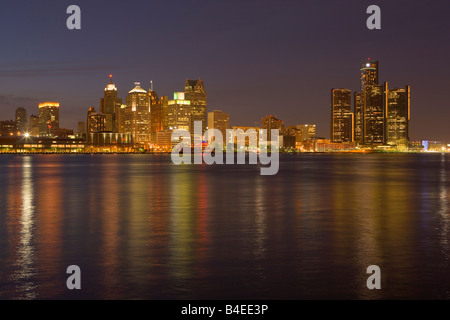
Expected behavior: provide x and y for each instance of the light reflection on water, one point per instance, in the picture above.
(142, 228)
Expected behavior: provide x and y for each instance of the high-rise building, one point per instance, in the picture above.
(48, 117)
(195, 92)
(358, 130)
(156, 114)
(271, 123)
(33, 129)
(373, 114)
(137, 115)
(369, 74)
(219, 120)
(21, 120)
(120, 118)
(96, 122)
(164, 111)
(341, 116)
(179, 113)
(307, 131)
(109, 105)
(398, 116)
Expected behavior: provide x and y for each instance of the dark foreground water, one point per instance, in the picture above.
(140, 227)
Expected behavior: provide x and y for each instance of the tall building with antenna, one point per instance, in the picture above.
(109, 106)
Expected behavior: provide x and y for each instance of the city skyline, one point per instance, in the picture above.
(230, 50)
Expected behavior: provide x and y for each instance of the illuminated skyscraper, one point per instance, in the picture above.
(341, 115)
(21, 120)
(195, 92)
(164, 112)
(369, 74)
(374, 114)
(48, 117)
(179, 113)
(109, 105)
(156, 114)
(137, 115)
(367, 107)
(398, 116)
(358, 130)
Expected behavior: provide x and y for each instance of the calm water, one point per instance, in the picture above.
(140, 227)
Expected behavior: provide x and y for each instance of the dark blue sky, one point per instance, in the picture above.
(256, 57)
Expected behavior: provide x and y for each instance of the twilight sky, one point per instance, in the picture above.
(256, 57)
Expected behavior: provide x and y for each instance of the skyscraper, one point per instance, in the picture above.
(21, 120)
(195, 92)
(358, 130)
(48, 117)
(109, 105)
(156, 115)
(341, 116)
(179, 113)
(219, 120)
(398, 116)
(137, 115)
(369, 74)
(374, 114)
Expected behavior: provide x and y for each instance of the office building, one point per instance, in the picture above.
(341, 116)
(369, 74)
(398, 106)
(33, 128)
(96, 122)
(307, 132)
(21, 120)
(48, 117)
(219, 120)
(109, 105)
(137, 119)
(156, 112)
(179, 113)
(272, 123)
(373, 115)
(195, 92)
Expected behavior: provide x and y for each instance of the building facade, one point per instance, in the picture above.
(95, 122)
(137, 119)
(195, 92)
(219, 120)
(342, 129)
(109, 105)
(48, 117)
(398, 108)
(179, 115)
(21, 120)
